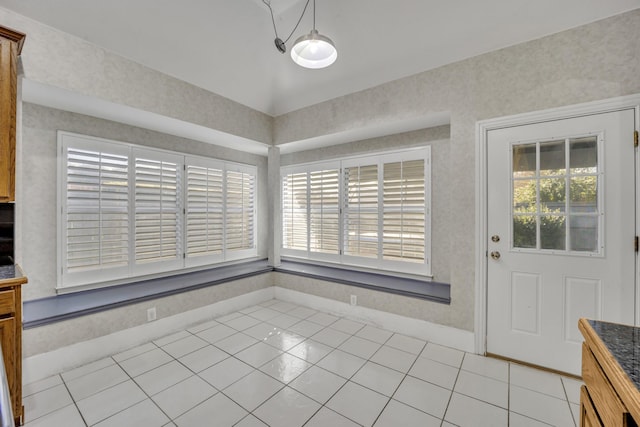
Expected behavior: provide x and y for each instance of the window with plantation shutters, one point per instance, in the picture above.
(204, 212)
(324, 211)
(158, 219)
(239, 211)
(95, 233)
(403, 211)
(371, 212)
(294, 211)
(128, 211)
(361, 211)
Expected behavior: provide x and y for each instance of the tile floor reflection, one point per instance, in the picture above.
(282, 365)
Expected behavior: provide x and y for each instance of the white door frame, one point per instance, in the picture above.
(482, 131)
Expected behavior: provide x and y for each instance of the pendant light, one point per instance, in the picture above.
(314, 50)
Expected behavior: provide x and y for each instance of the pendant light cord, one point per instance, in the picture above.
(273, 21)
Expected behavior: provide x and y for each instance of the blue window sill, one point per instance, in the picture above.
(68, 306)
(423, 289)
(49, 310)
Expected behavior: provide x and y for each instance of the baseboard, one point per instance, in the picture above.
(44, 365)
(428, 331)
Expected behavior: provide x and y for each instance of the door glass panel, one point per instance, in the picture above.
(524, 231)
(584, 155)
(525, 198)
(552, 195)
(584, 233)
(552, 158)
(584, 194)
(524, 160)
(546, 214)
(552, 232)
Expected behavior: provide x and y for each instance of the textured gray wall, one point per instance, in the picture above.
(59, 59)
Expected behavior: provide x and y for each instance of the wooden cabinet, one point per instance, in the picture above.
(10, 47)
(610, 396)
(11, 333)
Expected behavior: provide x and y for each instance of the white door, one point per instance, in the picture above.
(561, 227)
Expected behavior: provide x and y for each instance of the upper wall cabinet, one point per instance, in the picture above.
(10, 47)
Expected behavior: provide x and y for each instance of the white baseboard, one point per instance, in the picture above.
(44, 365)
(432, 332)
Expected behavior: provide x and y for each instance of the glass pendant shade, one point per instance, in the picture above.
(314, 51)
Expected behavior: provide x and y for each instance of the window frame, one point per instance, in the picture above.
(377, 263)
(68, 281)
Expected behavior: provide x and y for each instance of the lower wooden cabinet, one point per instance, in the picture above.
(11, 340)
(608, 395)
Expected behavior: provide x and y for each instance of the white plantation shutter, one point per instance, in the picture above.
(204, 212)
(368, 211)
(158, 216)
(361, 211)
(404, 211)
(239, 211)
(294, 211)
(324, 211)
(128, 211)
(95, 219)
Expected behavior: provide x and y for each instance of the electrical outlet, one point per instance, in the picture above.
(151, 314)
(354, 300)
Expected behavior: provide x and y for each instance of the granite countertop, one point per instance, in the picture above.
(10, 272)
(623, 342)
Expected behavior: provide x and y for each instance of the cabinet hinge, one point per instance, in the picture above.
(636, 244)
(635, 138)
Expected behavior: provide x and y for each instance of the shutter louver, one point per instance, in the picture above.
(404, 211)
(157, 222)
(204, 221)
(294, 211)
(361, 211)
(96, 222)
(324, 211)
(240, 211)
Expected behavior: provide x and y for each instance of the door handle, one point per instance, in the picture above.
(495, 255)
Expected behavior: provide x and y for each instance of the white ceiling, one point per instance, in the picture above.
(226, 46)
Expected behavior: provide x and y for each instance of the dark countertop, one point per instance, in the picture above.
(623, 342)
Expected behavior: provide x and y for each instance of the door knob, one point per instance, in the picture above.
(495, 255)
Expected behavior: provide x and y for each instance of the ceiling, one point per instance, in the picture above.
(226, 46)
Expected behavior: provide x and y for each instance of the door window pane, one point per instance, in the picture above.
(552, 158)
(552, 195)
(583, 193)
(584, 155)
(524, 160)
(553, 232)
(524, 231)
(584, 233)
(525, 196)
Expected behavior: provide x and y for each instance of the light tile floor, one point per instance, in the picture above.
(279, 364)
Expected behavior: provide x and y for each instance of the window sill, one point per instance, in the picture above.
(68, 306)
(49, 310)
(423, 289)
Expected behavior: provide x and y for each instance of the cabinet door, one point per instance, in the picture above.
(8, 94)
(8, 342)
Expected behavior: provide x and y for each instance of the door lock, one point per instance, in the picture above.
(495, 255)
(495, 238)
